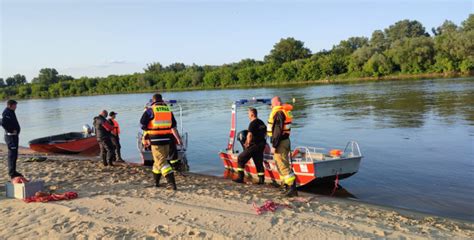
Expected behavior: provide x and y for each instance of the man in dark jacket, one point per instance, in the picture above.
(103, 132)
(12, 131)
(254, 147)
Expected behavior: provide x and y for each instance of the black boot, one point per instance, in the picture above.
(292, 192)
(171, 181)
(157, 178)
(284, 189)
(240, 179)
(261, 180)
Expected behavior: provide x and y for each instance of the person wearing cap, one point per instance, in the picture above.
(103, 132)
(115, 136)
(12, 131)
(159, 126)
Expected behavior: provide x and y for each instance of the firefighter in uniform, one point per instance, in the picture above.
(278, 129)
(254, 146)
(159, 126)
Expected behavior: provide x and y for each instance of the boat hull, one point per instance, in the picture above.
(307, 173)
(68, 143)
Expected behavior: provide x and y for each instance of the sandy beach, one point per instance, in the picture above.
(121, 202)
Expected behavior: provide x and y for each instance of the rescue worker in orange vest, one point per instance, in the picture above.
(159, 125)
(278, 129)
(115, 136)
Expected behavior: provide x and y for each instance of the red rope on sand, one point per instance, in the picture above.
(269, 205)
(41, 197)
(336, 184)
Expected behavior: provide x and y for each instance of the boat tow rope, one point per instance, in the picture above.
(269, 205)
(44, 197)
(336, 184)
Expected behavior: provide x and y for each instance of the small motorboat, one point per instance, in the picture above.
(310, 164)
(83, 143)
(145, 153)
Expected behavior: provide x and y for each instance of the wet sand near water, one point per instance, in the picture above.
(120, 202)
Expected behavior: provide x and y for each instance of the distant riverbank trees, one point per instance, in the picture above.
(403, 48)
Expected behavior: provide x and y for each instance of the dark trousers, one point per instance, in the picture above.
(117, 147)
(256, 153)
(106, 150)
(12, 144)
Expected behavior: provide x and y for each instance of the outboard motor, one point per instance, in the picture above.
(242, 137)
(87, 130)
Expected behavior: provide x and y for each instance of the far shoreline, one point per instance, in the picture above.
(334, 80)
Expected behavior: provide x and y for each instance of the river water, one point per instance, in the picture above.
(417, 136)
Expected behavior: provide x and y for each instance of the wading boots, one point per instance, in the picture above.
(291, 192)
(261, 180)
(171, 181)
(157, 178)
(240, 178)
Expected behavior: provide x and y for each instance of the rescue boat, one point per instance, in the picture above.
(145, 153)
(310, 164)
(67, 143)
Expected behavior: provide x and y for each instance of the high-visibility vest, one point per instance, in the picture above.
(161, 122)
(286, 109)
(116, 130)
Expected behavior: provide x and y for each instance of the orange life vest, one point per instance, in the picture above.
(286, 109)
(161, 122)
(116, 130)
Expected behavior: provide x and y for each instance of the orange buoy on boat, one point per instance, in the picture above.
(335, 152)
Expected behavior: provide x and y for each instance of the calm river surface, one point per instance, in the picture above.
(417, 136)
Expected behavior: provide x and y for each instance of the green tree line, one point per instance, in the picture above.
(402, 48)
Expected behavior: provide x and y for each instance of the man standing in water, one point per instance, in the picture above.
(159, 126)
(278, 129)
(115, 136)
(12, 131)
(254, 147)
(103, 132)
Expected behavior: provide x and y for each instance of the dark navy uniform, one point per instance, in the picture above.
(12, 130)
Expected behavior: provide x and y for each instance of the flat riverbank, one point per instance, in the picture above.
(325, 81)
(120, 202)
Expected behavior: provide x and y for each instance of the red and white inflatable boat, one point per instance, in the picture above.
(310, 164)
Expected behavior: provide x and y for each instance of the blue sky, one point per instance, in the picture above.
(98, 38)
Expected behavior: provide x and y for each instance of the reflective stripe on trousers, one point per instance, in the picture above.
(289, 179)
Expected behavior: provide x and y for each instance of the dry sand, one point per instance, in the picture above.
(120, 202)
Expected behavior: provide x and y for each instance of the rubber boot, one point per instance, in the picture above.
(239, 179)
(285, 189)
(261, 180)
(157, 178)
(292, 192)
(171, 181)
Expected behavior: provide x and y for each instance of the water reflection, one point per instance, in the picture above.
(401, 109)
